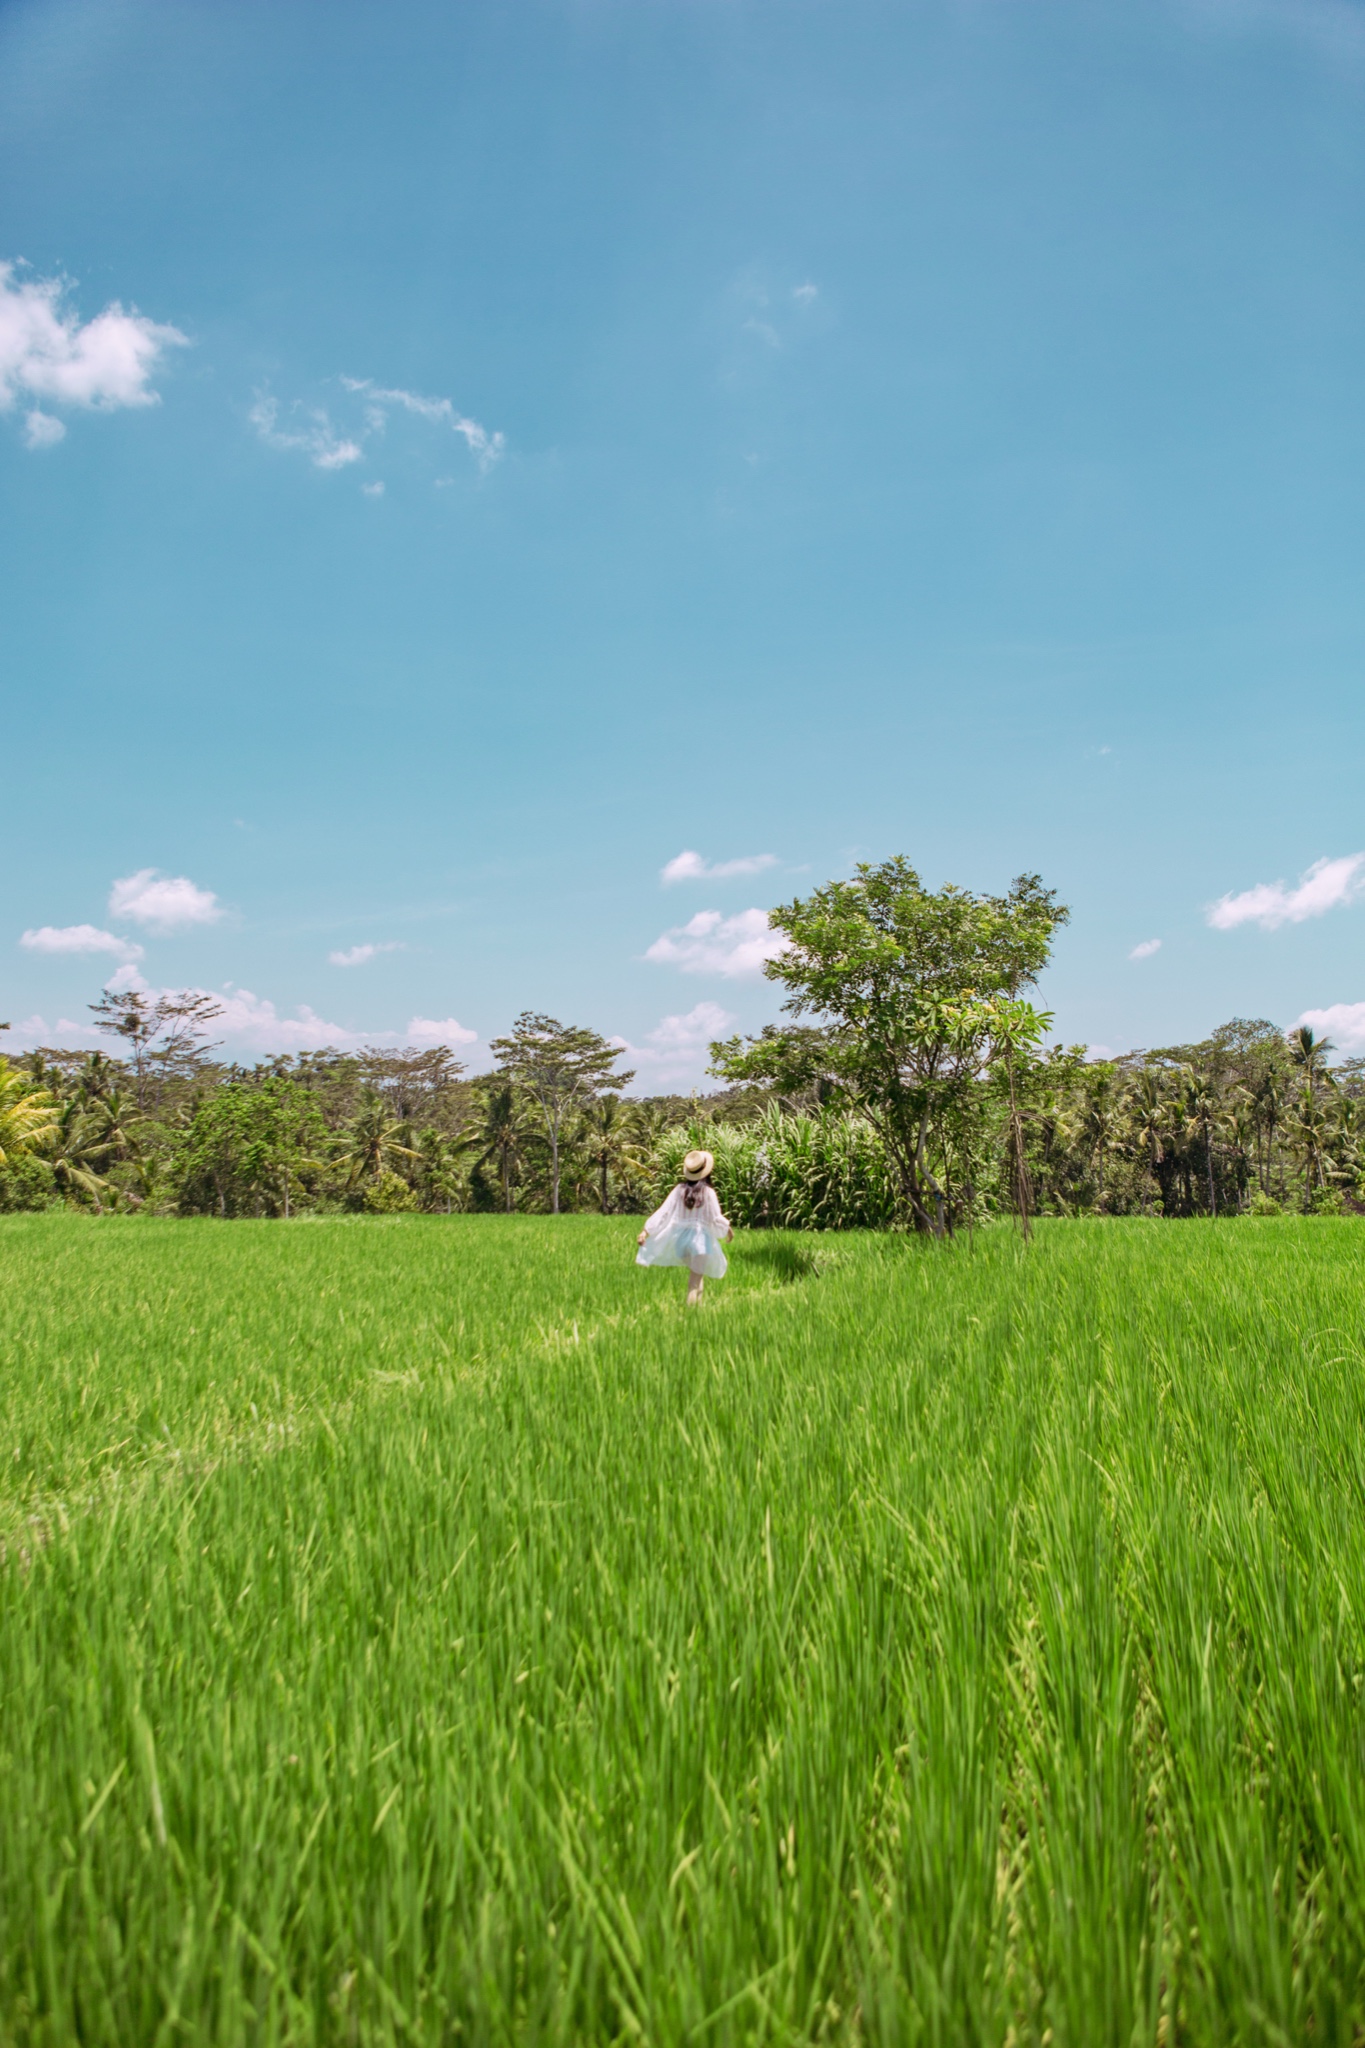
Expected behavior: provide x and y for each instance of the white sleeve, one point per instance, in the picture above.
(660, 1216)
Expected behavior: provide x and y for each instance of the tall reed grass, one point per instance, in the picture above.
(427, 1630)
(826, 1172)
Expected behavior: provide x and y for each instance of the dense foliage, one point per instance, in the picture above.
(909, 1088)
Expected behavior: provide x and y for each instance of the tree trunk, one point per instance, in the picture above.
(554, 1171)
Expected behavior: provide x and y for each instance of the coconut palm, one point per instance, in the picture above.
(374, 1142)
(28, 1118)
(606, 1138)
(1095, 1123)
(437, 1177)
(1348, 1139)
(1309, 1054)
(1310, 1131)
(1204, 1111)
(1268, 1109)
(500, 1136)
(78, 1149)
(1148, 1121)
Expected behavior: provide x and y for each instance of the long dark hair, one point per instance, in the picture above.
(694, 1187)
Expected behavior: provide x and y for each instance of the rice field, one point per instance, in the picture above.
(424, 1630)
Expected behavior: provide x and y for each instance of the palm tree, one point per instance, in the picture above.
(1312, 1133)
(79, 1149)
(438, 1173)
(1268, 1107)
(1096, 1123)
(500, 1137)
(374, 1141)
(1309, 1054)
(1348, 1138)
(1148, 1113)
(28, 1120)
(606, 1136)
(1204, 1111)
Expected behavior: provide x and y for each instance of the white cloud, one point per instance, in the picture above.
(806, 294)
(1325, 886)
(35, 1031)
(164, 903)
(311, 433)
(676, 1049)
(46, 352)
(126, 977)
(485, 447)
(710, 943)
(79, 938)
(25, 1036)
(357, 956)
(252, 1022)
(434, 1031)
(1145, 950)
(372, 490)
(41, 430)
(690, 867)
(1343, 1023)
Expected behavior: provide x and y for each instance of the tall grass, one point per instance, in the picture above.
(428, 1630)
(826, 1172)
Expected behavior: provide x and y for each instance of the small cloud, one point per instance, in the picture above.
(1145, 950)
(164, 903)
(48, 353)
(1104, 750)
(806, 294)
(35, 1031)
(357, 956)
(1343, 1023)
(677, 1047)
(41, 430)
(765, 331)
(1327, 885)
(690, 867)
(79, 938)
(126, 977)
(310, 432)
(442, 1031)
(373, 490)
(710, 943)
(485, 447)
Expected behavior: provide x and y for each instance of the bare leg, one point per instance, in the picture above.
(695, 1284)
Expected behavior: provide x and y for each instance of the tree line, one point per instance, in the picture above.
(908, 1085)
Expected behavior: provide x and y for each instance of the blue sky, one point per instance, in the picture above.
(534, 441)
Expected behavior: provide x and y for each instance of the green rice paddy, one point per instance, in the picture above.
(425, 1630)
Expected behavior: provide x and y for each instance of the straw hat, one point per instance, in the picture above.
(697, 1165)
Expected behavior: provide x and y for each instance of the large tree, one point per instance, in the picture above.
(248, 1149)
(915, 996)
(164, 1034)
(561, 1069)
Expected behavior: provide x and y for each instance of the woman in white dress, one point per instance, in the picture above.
(688, 1229)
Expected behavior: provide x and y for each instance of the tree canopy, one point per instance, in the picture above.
(916, 996)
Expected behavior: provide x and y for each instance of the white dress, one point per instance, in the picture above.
(678, 1236)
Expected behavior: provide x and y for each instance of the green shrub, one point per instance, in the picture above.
(27, 1184)
(389, 1195)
